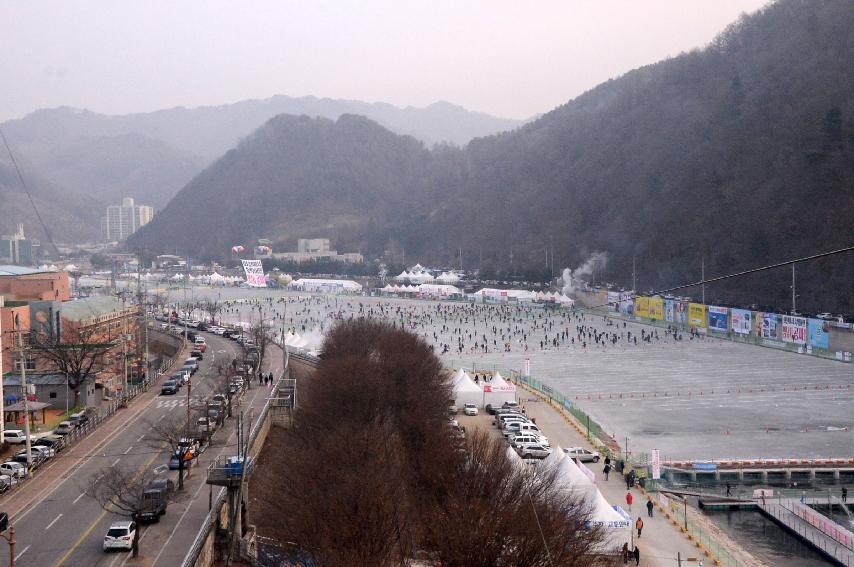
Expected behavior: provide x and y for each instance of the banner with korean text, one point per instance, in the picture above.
(794, 329)
(741, 321)
(718, 318)
(642, 306)
(771, 326)
(697, 315)
(254, 273)
(818, 333)
(656, 308)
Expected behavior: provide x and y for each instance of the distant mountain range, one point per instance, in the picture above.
(150, 156)
(736, 155)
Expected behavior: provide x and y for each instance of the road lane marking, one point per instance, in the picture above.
(102, 515)
(23, 551)
(82, 494)
(128, 450)
(140, 438)
(116, 462)
(55, 520)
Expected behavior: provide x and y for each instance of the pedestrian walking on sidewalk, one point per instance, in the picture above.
(728, 490)
(626, 553)
(606, 470)
(649, 507)
(639, 525)
(844, 494)
(260, 378)
(629, 499)
(803, 496)
(636, 553)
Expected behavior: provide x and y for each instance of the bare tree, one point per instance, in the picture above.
(178, 433)
(78, 353)
(212, 307)
(122, 491)
(262, 339)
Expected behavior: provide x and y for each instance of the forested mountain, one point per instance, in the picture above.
(738, 154)
(150, 156)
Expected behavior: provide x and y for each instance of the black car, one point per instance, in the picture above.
(169, 387)
(197, 355)
(54, 442)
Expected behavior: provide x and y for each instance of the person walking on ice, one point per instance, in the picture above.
(639, 525)
(649, 507)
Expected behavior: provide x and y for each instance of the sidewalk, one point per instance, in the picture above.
(660, 541)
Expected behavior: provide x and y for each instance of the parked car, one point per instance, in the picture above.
(510, 404)
(120, 536)
(470, 409)
(79, 419)
(583, 455)
(13, 469)
(15, 436)
(535, 451)
(37, 457)
(64, 428)
(5, 483)
(170, 387)
(162, 483)
(200, 347)
(154, 503)
(197, 354)
(520, 440)
(43, 450)
(55, 442)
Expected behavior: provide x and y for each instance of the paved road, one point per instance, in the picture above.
(61, 526)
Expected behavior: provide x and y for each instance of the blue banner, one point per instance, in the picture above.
(718, 318)
(817, 330)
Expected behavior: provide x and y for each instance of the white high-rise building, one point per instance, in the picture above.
(125, 219)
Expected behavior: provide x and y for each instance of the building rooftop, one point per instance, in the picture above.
(86, 308)
(8, 270)
(14, 380)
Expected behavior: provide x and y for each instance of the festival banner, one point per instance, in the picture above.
(819, 336)
(627, 303)
(794, 329)
(254, 273)
(642, 306)
(656, 464)
(681, 312)
(669, 311)
(771, 326)
(718, 318)
(758, 318)
(656, 308)
(697, 315)
(741, 321)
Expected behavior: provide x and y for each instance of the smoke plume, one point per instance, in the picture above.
(571, 279)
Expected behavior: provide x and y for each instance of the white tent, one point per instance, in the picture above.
(467, 392)
(438, 290)
(71, 268)
(497, 391)
(459, 375)
(404, 275)
(325, 285)
(448, 277)
(514, 457)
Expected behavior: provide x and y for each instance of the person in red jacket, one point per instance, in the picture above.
(629, 499)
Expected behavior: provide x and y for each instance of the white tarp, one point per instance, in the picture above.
(497, 391)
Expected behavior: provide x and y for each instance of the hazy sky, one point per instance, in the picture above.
(508, 58)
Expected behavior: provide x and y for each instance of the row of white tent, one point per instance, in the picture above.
(442, 290)
(522, 295)
(578, 481)
(418, 274)
(495, 392)
(326, 285)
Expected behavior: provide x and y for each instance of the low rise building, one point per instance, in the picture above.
(29, 284)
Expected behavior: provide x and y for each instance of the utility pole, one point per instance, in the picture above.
(703, 278)
(794, 304)
(26, 395)
(634, 273)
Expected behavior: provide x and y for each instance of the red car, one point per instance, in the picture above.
(201, 347)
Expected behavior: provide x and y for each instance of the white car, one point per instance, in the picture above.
(15, 436)
(583, 455)
(521, 440)
(534, 451)
(470, 409)
(13, 469)
(120, 536)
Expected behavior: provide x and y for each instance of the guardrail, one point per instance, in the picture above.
(211, 520)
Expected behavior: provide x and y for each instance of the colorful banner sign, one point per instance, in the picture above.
(697, 315)
(627, 303)
(642, 306)
(817, 330)
(681, 308)
(656, 464)
(656, 308)
(794, 329)
(254, 273)
(718, 318)
(771, 326)
(669, 311)
(741, 321)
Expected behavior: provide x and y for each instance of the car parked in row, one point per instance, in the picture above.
(13, 469)
(169, 387)
(535, 451)
(470, 409)
(583, 455)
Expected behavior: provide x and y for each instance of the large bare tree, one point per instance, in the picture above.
(177, 433)
(121, 491)
(78, 353)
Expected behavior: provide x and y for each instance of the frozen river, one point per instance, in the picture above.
(692, 399)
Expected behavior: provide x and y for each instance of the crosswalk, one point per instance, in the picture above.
(176, 402)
